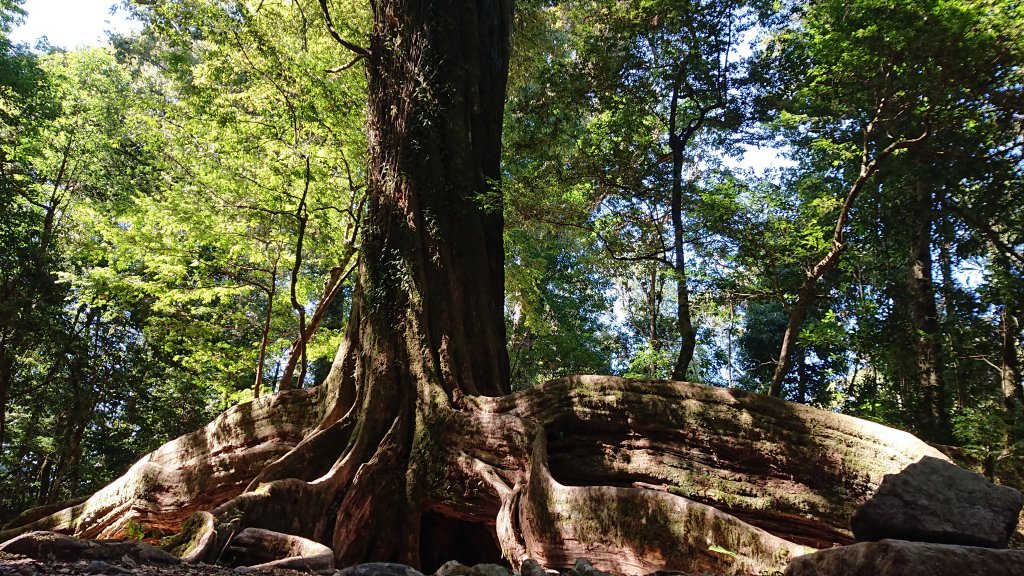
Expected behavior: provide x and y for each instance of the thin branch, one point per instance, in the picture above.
(343, 67)
(990, 233)
(363, 52)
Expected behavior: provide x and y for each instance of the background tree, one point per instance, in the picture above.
(905, 97)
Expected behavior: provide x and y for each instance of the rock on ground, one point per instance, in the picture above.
(936, 501)
(902, 558)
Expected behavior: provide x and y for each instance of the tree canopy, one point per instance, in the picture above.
(201, 213)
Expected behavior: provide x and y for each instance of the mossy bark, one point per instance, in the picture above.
(413, 429)
(625, 472)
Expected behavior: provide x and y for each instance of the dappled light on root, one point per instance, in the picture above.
(793, 470)
(635, 468)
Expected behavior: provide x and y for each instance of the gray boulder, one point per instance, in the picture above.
(901, 558)
(583, 567)
(936, 501)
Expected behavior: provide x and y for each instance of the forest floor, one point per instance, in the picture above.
(12, 565)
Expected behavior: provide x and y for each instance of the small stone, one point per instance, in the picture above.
(583, 567)
(531, 567)
(489, 570)
(26, 569)
(379, 569)
(453, 568)
(98, 567)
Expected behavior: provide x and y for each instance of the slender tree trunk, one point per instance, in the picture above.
(6, 376)
(684, 323)
(797, 315)
(924, 316)
(653, 306)
(805, 297)
(302, 218)
(261, 357)
(334, 284)
(679, 139)
(948, 312)
(1010, 375)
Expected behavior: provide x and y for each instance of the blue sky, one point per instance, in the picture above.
(70, 23)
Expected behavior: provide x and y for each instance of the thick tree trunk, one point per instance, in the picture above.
(924, 316)
(410, 440)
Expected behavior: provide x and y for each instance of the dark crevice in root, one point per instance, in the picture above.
(445, 538)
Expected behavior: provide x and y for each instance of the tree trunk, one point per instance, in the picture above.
(868, 167)
(619, 471)
(924, 316)
(334, 283)
(797, 315)
(654, 309)
(261, 356)
(6, 378)
(1010, 376)
(409, 446)
(684, 323)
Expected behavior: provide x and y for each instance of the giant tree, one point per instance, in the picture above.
(407, 442)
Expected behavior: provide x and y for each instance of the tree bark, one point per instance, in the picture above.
(684, 322)
(6, 378)
(1010, 376)
(336, 280)
(619, 471)
(261, 356)
(924, 315)
(411, 433)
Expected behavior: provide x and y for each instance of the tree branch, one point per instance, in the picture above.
(357, 49)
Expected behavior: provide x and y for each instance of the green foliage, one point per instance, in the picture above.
(134, 530)
(650, 363)
(556, 297)
(154, 195)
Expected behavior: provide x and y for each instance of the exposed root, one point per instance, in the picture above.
(622, 472)
(194, 472)
(791, 469)
(50, 545)
(265, 549)
(197, 541)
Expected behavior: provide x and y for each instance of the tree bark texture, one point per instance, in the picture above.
(638, 476)
(413, 432)
(924, 316)
(1010, 373)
